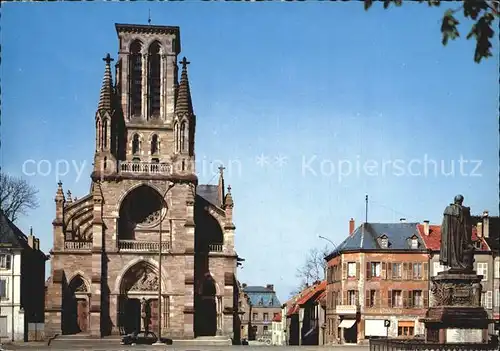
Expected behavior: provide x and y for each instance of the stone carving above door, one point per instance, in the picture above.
(148, 281)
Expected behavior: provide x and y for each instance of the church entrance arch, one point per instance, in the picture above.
(208, 316)
(76, 309)
(138, 299)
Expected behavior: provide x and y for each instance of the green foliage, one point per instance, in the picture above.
(482, 12)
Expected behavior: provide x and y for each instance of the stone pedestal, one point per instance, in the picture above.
(457, 315)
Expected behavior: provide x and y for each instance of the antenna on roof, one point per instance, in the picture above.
(366, 209)
(149, 16)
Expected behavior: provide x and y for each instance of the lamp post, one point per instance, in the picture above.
(162, 217)
(331, 242)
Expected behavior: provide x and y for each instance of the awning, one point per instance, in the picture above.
(347, 323)
(406, 324)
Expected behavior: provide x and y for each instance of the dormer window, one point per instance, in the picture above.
(261, 301)
(414, 243)
(383, 241)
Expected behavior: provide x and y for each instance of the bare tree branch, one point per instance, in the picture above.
(313, 268)
(17, 196)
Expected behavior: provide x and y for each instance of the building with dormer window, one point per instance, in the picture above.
(146, 230)
(379, 272)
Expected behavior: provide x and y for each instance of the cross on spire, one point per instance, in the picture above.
(229, 189)
(108, 59)
(221, 169)
(184, 62)
(149, 16)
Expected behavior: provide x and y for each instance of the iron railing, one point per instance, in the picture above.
(385, 344)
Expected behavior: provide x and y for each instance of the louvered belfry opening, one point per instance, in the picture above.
(135, 79)
(154, 80)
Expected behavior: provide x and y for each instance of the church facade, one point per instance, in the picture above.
(147, 239)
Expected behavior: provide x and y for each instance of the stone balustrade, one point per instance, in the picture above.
(215, 247)
(78, 245)
(145, 167)
(134, 245)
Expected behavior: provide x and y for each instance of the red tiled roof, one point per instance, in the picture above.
(312, 293)
(321, 299)
(277, 318)
(433, 240)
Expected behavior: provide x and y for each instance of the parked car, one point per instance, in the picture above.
(141, 338)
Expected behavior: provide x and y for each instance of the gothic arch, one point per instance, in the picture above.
(139, 262)
(77, 282)
(160, 191)
(136, 73)
(136, 141)
(150, 41)
(142, 207)
(208, 277)
(154, 140)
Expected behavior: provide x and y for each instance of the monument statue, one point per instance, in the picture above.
(145, 315)
(456, 237)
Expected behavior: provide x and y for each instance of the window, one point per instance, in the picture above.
(135, 144)
(154, 79)
(135, 79)
(487, 299)
(105, 129)
(414, 243)
(417, 271)
(417, 299)
(265, 328)
(255, 316)
(396, 271)
(266, 316)
(351, 297)
(384, 242)
(397, 298)
(3, 289)
(482, 269)
(375, 269)
(183, 133)
(405, 331)
(351, 270)
(3, 327)
(497, 269)
(275, 314)
(154, 144)
(372, 300)
(5, 261)
(497, 297)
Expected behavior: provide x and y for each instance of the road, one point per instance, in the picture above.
(115, 346)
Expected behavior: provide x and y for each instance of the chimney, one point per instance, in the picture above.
(37, 244)
(270, 287)
(486, 224)
(479, 229)
(402, 220)
(351, 226)
(426, 227)
(31, 239)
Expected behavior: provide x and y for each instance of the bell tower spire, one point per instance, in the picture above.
(185, 119)
(104, 120)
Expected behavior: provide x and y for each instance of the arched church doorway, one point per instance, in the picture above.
(76, 307)
(207, 305)
(138, 300)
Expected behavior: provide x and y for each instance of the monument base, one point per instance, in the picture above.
(457, 316)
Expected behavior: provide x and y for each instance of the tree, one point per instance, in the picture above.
(481, 12)
(313, 268)
(17, 196)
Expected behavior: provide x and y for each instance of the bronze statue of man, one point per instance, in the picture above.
(456, 236)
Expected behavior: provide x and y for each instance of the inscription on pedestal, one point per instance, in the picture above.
(464, 335)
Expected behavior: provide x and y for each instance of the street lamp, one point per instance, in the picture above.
(159, 261)
(331, 242)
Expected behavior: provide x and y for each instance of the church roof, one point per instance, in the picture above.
(367, 235)
(209, 193)
(10, 235)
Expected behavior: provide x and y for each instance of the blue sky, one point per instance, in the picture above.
(317, 84)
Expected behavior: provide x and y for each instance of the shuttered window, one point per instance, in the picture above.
(3, 289)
